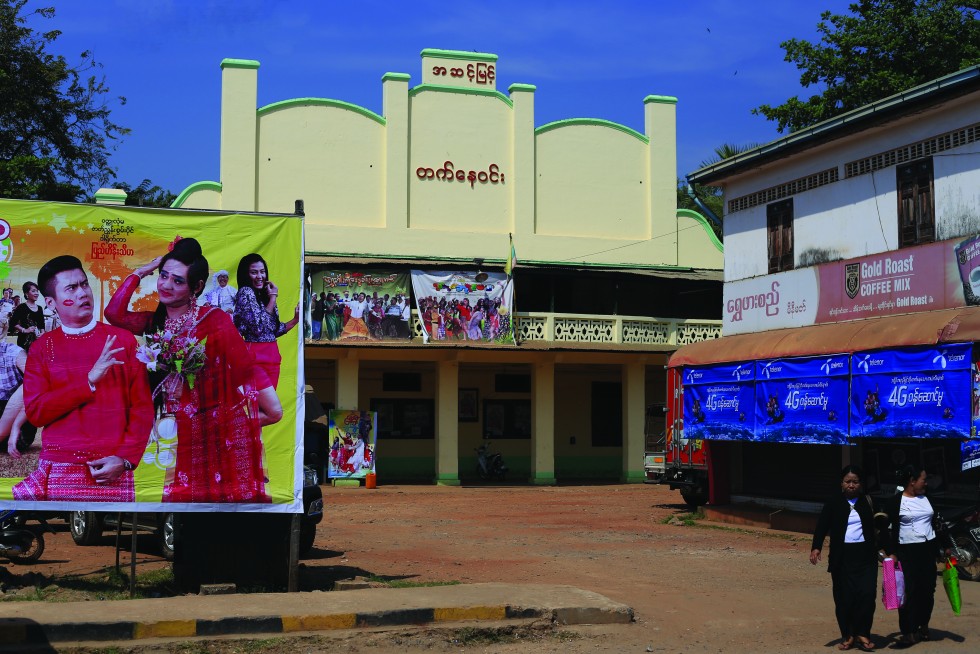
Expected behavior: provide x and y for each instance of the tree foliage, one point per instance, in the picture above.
(881, 48)
(56, 133)
(146, 194)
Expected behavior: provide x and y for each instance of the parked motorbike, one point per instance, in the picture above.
(19, 543)
(961, 529)
(490, 465)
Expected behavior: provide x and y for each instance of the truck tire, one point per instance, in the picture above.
(694, 496)
(85, 527)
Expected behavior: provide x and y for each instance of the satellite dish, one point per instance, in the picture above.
(481, 277)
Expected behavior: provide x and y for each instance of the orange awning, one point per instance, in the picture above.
(927, 328)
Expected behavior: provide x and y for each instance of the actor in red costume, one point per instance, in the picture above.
(219, 420)
(84, 386)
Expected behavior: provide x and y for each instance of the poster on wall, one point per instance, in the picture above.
(353, 438)
(719, 402)
(121, 391)
(802, 400)
(913, 393)
(464, 306)
(361, 305)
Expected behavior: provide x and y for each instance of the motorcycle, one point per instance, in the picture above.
(18, 543)
(490, 465)
(961, 529)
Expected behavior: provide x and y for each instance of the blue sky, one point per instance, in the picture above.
(720, 58)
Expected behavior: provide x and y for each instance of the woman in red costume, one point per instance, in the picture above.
(219, 450)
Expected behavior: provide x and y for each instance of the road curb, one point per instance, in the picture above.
(23, 631)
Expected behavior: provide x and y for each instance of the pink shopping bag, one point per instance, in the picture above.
(892, 584)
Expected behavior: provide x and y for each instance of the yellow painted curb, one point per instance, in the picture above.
(166, 629)
(471, 613)
(319, 622)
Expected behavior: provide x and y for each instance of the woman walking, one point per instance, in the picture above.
(853, 561)
(914, 541)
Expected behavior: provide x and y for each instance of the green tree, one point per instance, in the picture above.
(56, 134)
(146, 194)
(881, 48)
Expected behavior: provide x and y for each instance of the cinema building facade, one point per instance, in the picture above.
(851, 304)
(449, 179)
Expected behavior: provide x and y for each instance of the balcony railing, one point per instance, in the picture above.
(625, 330)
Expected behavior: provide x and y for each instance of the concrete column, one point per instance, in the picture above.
(395, 109)
(447, 423)
(634, 421)
(523, 184)
(660, 125)
(543, 421)
(239, 134)
(348, 370)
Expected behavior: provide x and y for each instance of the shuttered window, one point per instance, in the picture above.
(779, 219)
(916, 209)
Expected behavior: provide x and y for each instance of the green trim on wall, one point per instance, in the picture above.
(458, 54)
(633, 477)
(398, 77)
(415, 468)
(460, 90)
(595, 122)
(250, 64)
(447, 480)
(706, 225)
(543, 479)
(660, 99)
(196, 186)
(521, 87)
(116, 195)
(321, 102)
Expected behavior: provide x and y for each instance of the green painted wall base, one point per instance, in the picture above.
(347, 483)
(447, 480)
(633, 477)
(589, 467)
(543, 479)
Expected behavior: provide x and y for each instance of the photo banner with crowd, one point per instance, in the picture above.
(360, 305)
(151, 360)
(353, 441)
(464, 306)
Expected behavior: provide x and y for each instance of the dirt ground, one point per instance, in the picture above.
(694, 587)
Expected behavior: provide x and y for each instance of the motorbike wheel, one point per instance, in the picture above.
(33, 552)
(968, 555)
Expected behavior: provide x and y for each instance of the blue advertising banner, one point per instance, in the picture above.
(718, 402)
(970, 454)
(913, 393)
(802, 400)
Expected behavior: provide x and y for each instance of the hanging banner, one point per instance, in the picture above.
(719, 402)
(802, 400)
(464, 306)
(970, 454)
(353, 438)
(361, 305)
(913, 393)
(111, 405)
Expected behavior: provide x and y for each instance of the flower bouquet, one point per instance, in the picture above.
(180, 358)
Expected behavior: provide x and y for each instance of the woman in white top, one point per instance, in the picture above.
(914, 541)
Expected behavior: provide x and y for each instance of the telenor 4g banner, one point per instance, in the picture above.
(149, 359)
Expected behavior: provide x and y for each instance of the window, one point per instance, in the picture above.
(401, 382)
(506, 419)
(404, 418)
(607, 414)
(779, 221)
(916, 214)
(508, 383)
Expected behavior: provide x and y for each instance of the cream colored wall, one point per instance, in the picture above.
(591, 181)
(335, 164)
(580, 193)
(473, 132)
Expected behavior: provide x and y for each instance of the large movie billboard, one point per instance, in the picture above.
(147, 366)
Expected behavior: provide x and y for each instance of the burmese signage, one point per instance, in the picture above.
(935, 276)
